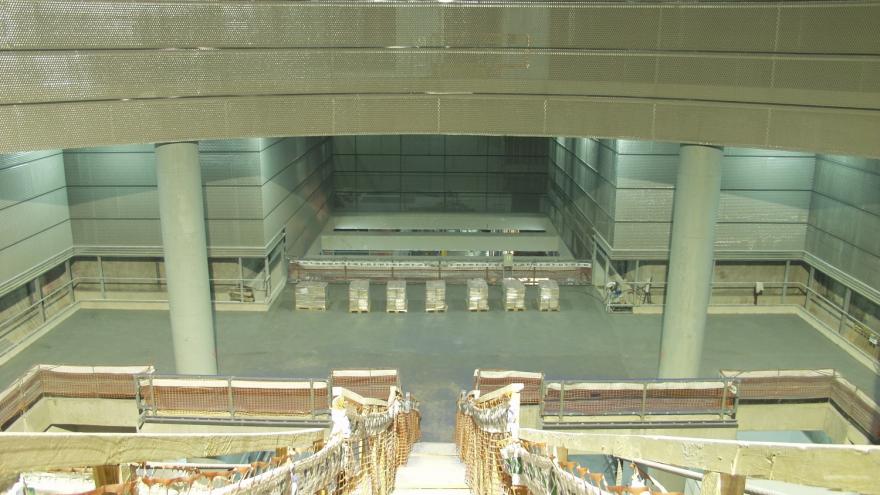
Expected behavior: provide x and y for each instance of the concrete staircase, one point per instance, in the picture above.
(433, 469)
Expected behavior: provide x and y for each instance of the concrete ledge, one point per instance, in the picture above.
(39, 332)
(728, 310)
(163, 306)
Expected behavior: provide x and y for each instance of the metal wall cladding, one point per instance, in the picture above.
(844, 228)
(852, 225)
(39, 248)
(113, 199)
(447, 173)
(768, 172)
(29, 175)
(851, 260)
(12, 159)
(25, 219)
(728, 236)
(855, 186)
(764, 206)
(33, 211)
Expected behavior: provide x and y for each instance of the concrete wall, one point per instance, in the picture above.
(439, 173)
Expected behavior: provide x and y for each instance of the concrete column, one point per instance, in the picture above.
(182, 215)
(691, 260)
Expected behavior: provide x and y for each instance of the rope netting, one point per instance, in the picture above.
(368, 442)
(498, 462)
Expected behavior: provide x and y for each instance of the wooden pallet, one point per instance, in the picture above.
(435, 310)
(549, 309)
(514, 309)
(395, 311)
(478, 310)
(308, 308)
(359, 311)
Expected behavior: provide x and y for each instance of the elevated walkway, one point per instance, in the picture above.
(433, 469)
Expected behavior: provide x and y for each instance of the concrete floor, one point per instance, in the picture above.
(437, 353)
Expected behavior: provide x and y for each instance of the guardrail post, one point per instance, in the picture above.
(785, 281)
(722, 484)
(38, 288)
(268, 278)
(240, 280)
(70, 280)
(561, 399)
(153, 396)
(809, 286)
(312, 398)
(844, 310)
(229, 399)
(723, 400)
(101, 278)
(644, 400)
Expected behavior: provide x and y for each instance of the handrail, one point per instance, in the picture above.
(21, 452)
(840, 467)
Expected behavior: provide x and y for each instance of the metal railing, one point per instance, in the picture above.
(196, 398)
(641, 398)
(565, 273)
(867, 339)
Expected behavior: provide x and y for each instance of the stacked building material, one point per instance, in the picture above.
(548, 297)
(477, 295)
(359, 296)
(435, 296)
(514, 294)
(311, 295)
(396, 296)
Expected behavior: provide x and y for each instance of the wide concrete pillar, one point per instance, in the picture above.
(691, 260)
(182, 215)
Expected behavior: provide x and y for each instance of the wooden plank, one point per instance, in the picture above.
(21, 452)
(839, 467)
(722, 484)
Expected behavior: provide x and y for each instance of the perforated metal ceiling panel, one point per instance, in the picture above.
(794, 75)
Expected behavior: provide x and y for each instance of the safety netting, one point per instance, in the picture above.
(498, 462)
(92, 382)
(368, 441)
(490, 380)
(811, 385)
(373, 383)
(640, 398)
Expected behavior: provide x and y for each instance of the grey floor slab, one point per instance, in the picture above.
(437, 353)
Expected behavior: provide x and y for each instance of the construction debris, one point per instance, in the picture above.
(435, 296)
(514, 294)
(477, 295)
(359, 296)
(548, 298)
(396, 296)
(311, 295)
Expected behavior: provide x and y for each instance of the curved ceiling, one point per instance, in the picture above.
(793, 75)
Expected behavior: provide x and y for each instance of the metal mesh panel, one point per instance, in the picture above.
(370, 383)
(783, 384)
(638, 398)
(196, 397)
(489, 380)
(66, 381)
